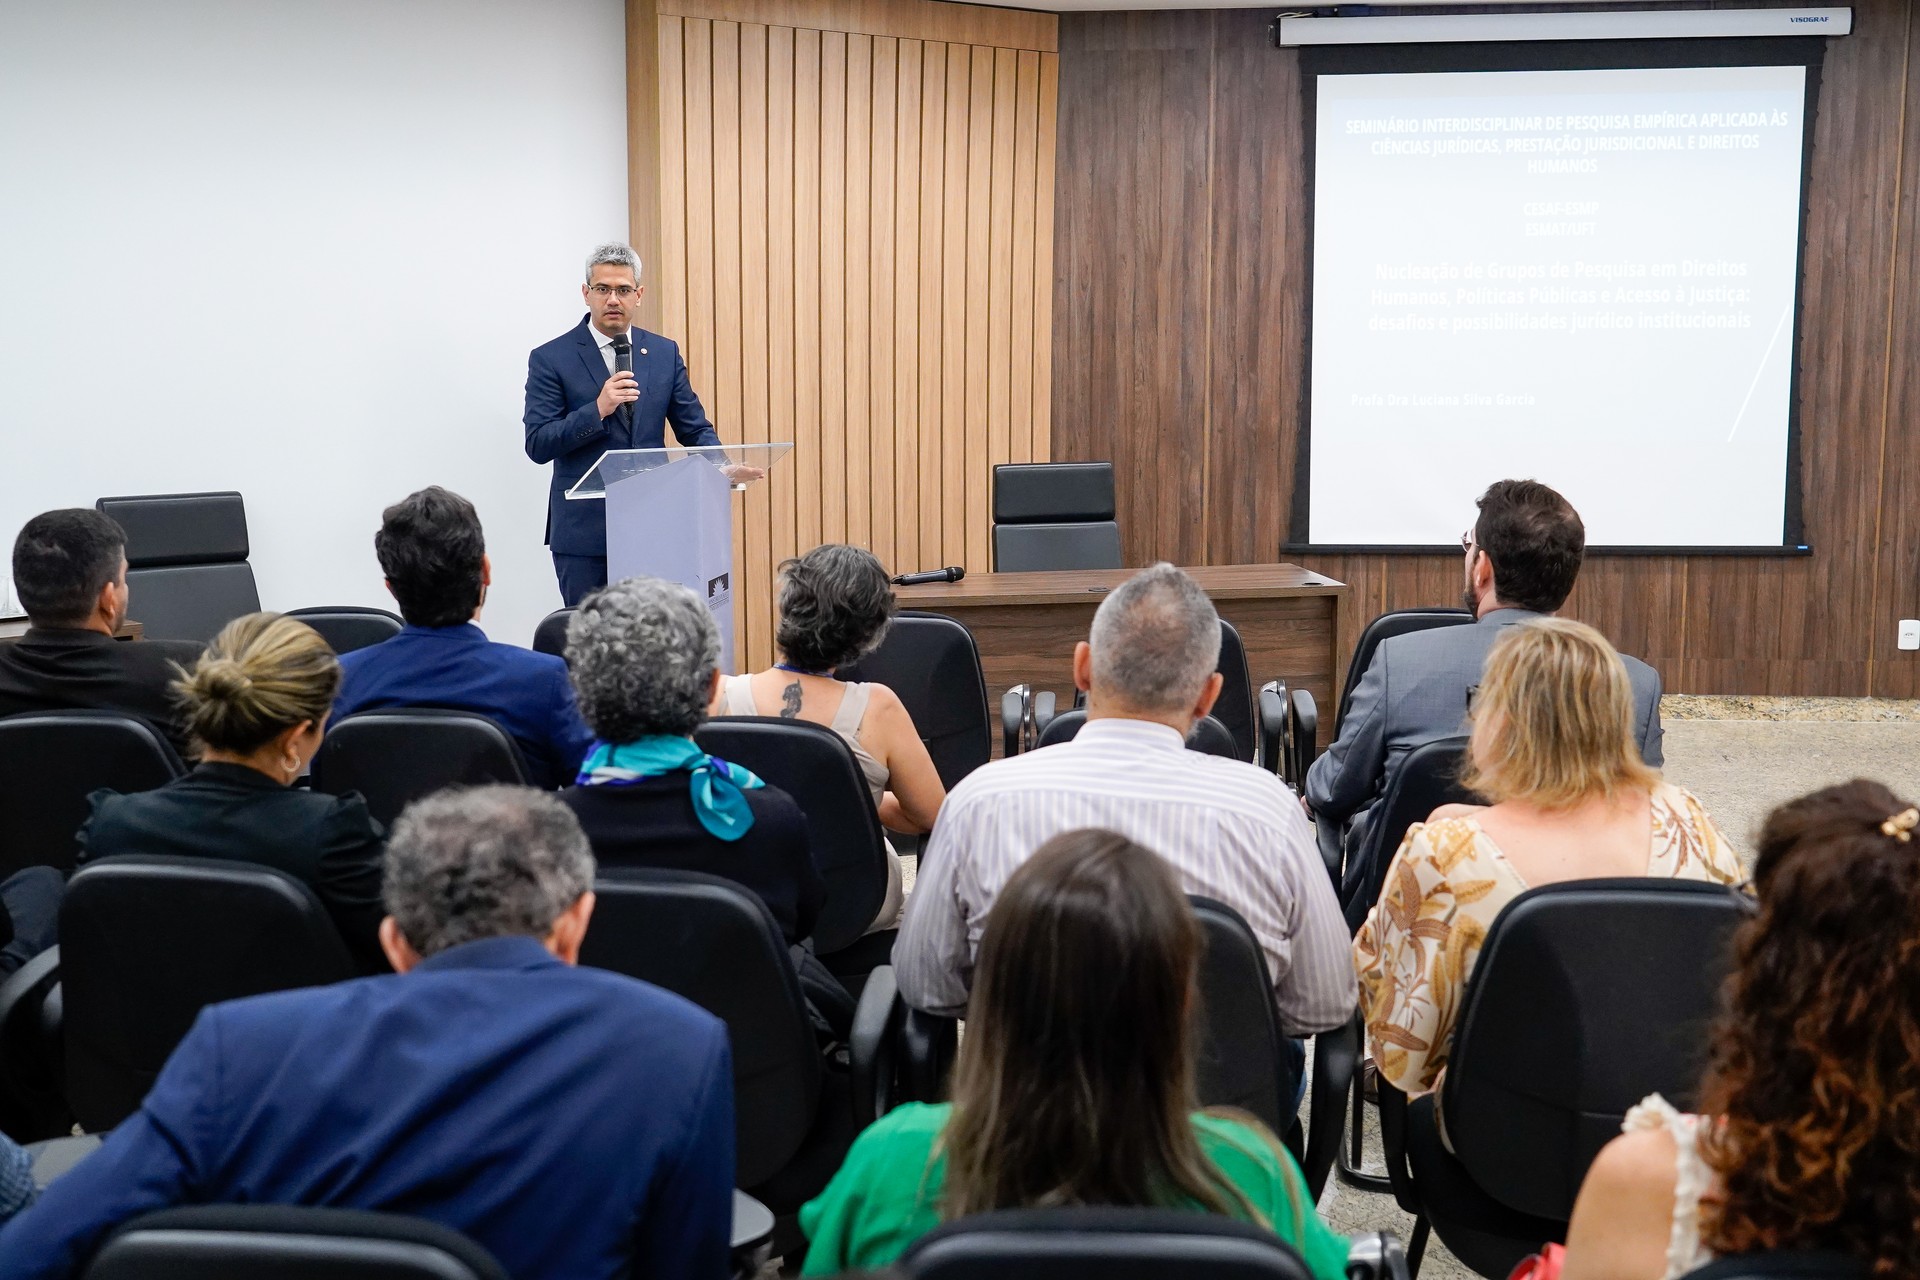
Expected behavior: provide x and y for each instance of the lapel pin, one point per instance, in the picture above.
(643, 351)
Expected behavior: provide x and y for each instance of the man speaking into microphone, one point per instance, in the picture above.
(602, 385)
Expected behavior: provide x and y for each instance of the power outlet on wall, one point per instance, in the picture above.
(1910, 633)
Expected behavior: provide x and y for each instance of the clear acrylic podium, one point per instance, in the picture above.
(669, 515)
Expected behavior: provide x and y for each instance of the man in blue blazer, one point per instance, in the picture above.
(578, 407)
(574, 1122)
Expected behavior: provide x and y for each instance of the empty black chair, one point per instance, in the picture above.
(716, 944)
(1101, 1244)
(394, 756)
(146, 943)
(1209, 736)
(1054, 515)
(52, 760)
(1588, 995)
(248, 1241)
(932, 664)
(815, 766)
(551, 635)
(346, 627)
(1428, 778)
(187, 570)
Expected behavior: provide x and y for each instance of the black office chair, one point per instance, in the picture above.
(147, 942)
(346, 627)
(814, 765)
(247, 1241)
(1428, 777)
(393, 757)
(1797, 1265)
(932, 664)
(1588, 995)
(551, 635)
(187, 570)
(1234, 707)
(1054, 515)
(715, 943)
(33, 1102)
(52, 760)
(1209, 736)
(1394, 622)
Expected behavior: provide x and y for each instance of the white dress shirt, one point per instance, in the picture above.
(1231, 831)
(606, 344)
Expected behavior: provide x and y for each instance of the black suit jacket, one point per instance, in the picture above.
(330, 843)
(60, 669)
(651, 824)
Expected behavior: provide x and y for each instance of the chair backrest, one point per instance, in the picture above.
(1242, 1062)
(187, 571)
(347, 627)
(1209, 736)
(551, 635)
(715, 943)
(815, 766)
(287, 1242)
(1101, 1244)
(1054, 515)
(1234, 708)
(147, 942)
(396, 755)
(1588, 996)
(1796, 1265)
(932, 664)
(50, 761)
(1428, 778)
(1395, 622)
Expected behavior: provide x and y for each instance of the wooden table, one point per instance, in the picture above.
(1026, 624)
(12, 629)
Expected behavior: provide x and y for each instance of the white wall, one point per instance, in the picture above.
(300, 250)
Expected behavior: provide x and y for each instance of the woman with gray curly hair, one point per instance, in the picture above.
(646, 661)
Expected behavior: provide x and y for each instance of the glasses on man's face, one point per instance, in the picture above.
(1466, 542)
(624, 292)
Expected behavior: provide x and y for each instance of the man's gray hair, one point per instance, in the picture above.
(643, 652)
(614, 254)
(1155, 640)
(484, 862)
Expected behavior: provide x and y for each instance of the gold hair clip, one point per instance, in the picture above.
(1900, 826)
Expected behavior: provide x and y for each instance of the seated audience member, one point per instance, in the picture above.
(1230, 830)
(1811, 1122)
(574, 1122)
(1522, 557)
(835, 604)
(70, 572)
(1074, 1084)
(257, 703)
(435, 561)
(646, 658)
(1553, 750)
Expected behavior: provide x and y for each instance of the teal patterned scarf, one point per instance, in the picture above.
(715, 785)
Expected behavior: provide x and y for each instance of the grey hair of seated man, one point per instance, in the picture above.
(644, 652)
(484, 862)
(1155, 642)
(613, 254)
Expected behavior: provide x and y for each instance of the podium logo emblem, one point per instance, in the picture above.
(716, 587)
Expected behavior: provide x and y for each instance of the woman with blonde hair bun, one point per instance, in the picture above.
(256, 702)
(1553, 751)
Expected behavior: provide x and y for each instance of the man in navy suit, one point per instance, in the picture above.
(434, 557)
(574, 1122)
(578, 407)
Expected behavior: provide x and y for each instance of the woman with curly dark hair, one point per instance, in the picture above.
(1810, 1132)
(836, 603)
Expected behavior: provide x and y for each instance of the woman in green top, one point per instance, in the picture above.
(1074, 1084)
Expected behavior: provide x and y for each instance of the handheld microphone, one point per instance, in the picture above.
(623, 354)
(952, 573)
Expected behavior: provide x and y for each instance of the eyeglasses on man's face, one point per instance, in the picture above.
(624, 292)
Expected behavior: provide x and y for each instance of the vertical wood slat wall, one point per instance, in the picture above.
(855, 231)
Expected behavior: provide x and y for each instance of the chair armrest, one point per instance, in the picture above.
(1015, 705)
(1326, 833)
(1044, 705)
(1336, 1056)
(928, 1043)
(32, 1100)
(1303, 736)
(1273, 728)
(1393, 1142)
(1376, 1255)
(872, 1046)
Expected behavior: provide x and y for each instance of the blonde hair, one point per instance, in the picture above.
(263, 674)
(1553, 721)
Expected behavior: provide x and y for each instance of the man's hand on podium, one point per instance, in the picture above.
(615, 391)
(740, 473)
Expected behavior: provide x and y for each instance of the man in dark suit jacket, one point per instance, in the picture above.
(1521, 561)
(434, 556)
(576, 1123)
(578, 408)
(70, 572)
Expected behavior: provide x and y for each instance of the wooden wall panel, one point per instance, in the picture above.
(855, 243)
(1180, 296)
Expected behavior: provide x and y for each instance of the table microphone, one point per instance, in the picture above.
(952, 573)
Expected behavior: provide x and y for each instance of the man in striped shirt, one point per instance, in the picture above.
(1230, 830)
